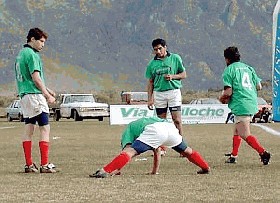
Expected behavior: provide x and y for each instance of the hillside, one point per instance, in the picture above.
(105, 45)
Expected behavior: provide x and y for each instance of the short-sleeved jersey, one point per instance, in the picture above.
(243, 80)
(135, 128)
(158, 68)
(27, 61)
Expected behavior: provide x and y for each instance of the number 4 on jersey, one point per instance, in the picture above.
(246, 82)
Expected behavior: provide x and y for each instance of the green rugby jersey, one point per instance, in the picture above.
(27, 61)
(158, 68)
(243, 80)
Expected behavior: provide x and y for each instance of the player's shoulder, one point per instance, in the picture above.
(174, 55)
(26, 51)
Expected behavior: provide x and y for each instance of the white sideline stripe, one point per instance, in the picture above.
(1, 128)
(268, 129)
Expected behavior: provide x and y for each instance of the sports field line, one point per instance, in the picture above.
(268, 129)
(1, 128)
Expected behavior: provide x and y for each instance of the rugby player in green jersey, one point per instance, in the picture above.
(164, 73)
(148, 134)
(240, 92)
(34, 96)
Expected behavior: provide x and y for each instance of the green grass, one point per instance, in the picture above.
(79, 148)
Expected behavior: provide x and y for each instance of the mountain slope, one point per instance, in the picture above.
(106, 44)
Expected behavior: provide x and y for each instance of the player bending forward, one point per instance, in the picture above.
(148, 134)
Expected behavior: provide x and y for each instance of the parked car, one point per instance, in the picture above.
(13, 111)
(78, 107)
(205, 101)
(265, 111)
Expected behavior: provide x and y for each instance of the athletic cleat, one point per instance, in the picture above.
(99, 174)
(228, 154)
(203, 171)
(30, 169)
(231, 159)
(48, 168)
(265, 157)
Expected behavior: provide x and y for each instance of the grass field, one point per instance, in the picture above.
(79, 148)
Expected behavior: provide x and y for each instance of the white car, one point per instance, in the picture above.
(13, 111)
(79, 107)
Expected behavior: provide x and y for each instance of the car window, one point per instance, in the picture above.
(67, 100)
(16, 105)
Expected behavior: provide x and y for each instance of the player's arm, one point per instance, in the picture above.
(226, 94)
(157, 157)
(178, 76)
(150, 89)
(40, 85)
(51, 92)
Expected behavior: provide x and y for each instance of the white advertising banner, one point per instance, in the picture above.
(191, 113)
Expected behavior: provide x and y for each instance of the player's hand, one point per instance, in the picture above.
(51, 92)
(150, 105)
(168, 77)
(51, 99)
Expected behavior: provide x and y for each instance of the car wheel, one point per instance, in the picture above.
(9, 119)
(100, 118)
(20, 116)
(77, 117)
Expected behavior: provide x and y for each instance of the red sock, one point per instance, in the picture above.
(44, 150)
(197, 159)
(117, 163)
(254, 143)
(27, 148)
(236, 142)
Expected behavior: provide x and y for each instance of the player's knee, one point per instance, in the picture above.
(177, 122)
(188, 151)
(129, 151)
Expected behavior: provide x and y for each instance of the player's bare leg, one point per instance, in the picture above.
(177, 119)
(243, 129)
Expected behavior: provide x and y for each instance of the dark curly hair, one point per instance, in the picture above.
(37, 33)
(158, 41)
(232, 54)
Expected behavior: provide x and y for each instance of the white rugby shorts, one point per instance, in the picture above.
(33, 105)
(161, 133)
(169, 98)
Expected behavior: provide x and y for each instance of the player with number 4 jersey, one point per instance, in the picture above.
(240, 92)
(244, 80)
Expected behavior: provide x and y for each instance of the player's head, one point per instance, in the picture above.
(36, 38)
(158, 41)
(231, 55)
(160, 48)
(37, 33)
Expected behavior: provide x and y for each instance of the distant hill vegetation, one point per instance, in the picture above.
(105, 45)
